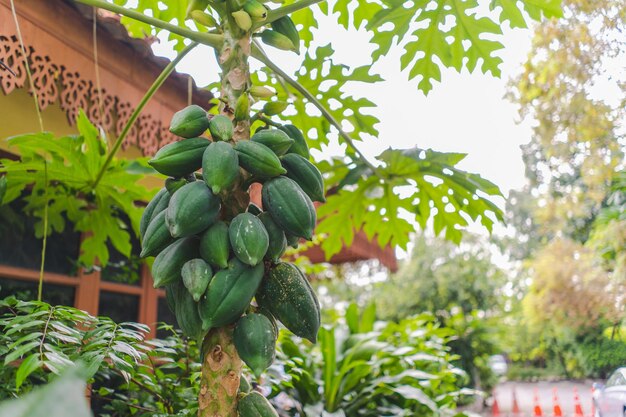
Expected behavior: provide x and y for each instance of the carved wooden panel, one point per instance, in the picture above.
(56, 83)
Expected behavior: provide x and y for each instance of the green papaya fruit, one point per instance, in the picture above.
(220, 166)
(260, 92)
(272, 108)
(308, 177)
(255, 404)
(196, 275)
(287, 294)
(277, 241)
(292, 240)
(197, 5)
(3, 187)
(215, 245)
(248, 238)
(180, 158)
(278, 40)
(189, 122)
(229, 294)
(258, 159)
(289, 206)
(242, 108)
(173, 184)
(254, 209)
(242, 19)
(186, 312)
(299, 146)
(244, 385)
(158, 203)
(277, 140)
(256, 10)
(203, 18)
(255, 341)
(285, 26)
(156, 238)
(167, 265)
(192, 209)
(271, 318)
(221, 128)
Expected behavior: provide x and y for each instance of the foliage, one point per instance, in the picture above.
(452, 34)
(601, 356)
(59, 174)
(445, 277)
(61, 398)
(370, 368)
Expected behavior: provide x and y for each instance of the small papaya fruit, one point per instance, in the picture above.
(215, 245)
(277, 241)
(189, 122)
(192, 209)
(258, 159)
(167, 265)
(180, 158)
(156, 238)
(221, 128)
(255, 404)
(277, 140)
(255, 341)
(220, 166)
(196, 277)
(248, 238)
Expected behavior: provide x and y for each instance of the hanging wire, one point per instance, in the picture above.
(45, 164)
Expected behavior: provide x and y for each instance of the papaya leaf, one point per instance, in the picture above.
(60, 172)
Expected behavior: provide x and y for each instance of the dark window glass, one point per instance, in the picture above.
(121, 268)
(27, 290)
(165, 315)
(20, 248)
(119, 307)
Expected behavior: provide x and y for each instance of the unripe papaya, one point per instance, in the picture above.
(196, 277)
(289, 206)
(261, 92)
(192, 209)
(277, 40)
(229, 294)
(299, 146)
(221, 128)
(255, 404)
(308, 177)
(220, 166)
(248, 238)
(256, 10)
(275, 139)
(167, 265)
(258, 159)
(186, 311)
(244, 385)
(292, 240)
(242, 109)
(158, 203)
(243, 20)
(277, 241)
(156, 238)
(180, 158)
(189, 122)
(287, 294)
(272, 108)
(286, 27)
(173, 184)
(255, 341)
(197, 5)
(203, 18)
(215, 245)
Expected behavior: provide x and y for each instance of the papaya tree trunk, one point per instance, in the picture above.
(221, 365)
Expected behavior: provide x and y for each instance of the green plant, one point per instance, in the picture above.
(368, 368)
(56, 175)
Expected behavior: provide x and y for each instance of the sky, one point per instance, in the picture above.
(464, 113)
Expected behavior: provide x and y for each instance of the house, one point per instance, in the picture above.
(59, 39)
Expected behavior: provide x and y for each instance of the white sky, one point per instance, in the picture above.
(464, 113)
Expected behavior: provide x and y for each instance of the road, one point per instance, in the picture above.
(525, 392)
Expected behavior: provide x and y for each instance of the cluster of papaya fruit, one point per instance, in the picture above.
(214, 260)
(249, 14)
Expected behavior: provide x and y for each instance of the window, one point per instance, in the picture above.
(118, 306)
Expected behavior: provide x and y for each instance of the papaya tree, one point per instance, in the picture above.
(216, 252)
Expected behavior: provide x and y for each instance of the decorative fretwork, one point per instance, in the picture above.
(56, 83)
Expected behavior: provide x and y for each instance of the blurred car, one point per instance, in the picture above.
(498, 365)
(610, 399)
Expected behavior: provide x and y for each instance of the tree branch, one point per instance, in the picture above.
(133, 117)
(258, 53)
(211, 39)
(276, 14)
